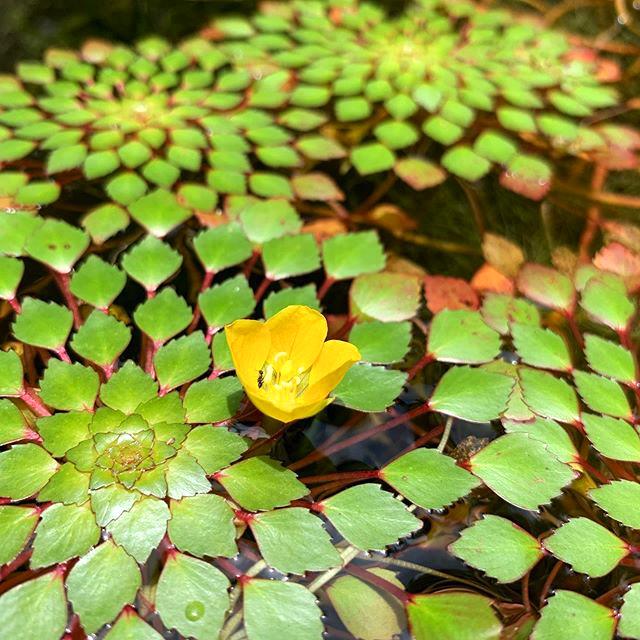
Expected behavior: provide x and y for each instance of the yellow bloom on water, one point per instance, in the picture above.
(285, 365)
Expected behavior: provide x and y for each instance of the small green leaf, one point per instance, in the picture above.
(260, 483)
(278, 300)
(192, 597)
(162, 173)
(273, 608)
(97, 282)
(12, 423)
(609, 359)
(290, 256)
(67, 485)
(214, 447)
(57, 244)
(65, 532)
(389, 297)
(15, 229)
(619, 500)
(151, 262)
(419, 173)
(105, 221)
(521, 470)
(66, 158)
(498, 547)
(185, 477)
(381, 342)
(223, 303)
(16, 526)
(69, 387)
(549, 433)
(222, 247)
(101, 339)
(546, 286)
(182, 360)
(548, 396)
(602, 394)
(63, 431)
(101, 583)
(615, 439)
(352, 254)
(130, 627)
(629, 625)
(203, 526)
(110, 502)
(372, 158)
(128, 388)
(463, 162)
(213, 400)
(350, 513)
(569, 616)
(159, 212)
(428, 478)
(265, 220)
(270, 185)
(316, 186)
(10, 373)
(368, 388)
(24, 470)
(126, 188)
(163, 316)
(541, 347)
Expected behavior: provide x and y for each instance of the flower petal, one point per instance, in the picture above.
(249, 343)
(335, 359)
(289, 413)
(298, 331)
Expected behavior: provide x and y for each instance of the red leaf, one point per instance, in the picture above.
(443, 292)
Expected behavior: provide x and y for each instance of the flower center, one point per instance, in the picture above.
(280, 379)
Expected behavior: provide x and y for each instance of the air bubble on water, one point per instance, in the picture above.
(622, 19)
(636, 5)
(194, 610)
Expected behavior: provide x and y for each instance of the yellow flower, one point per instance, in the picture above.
(285, 365)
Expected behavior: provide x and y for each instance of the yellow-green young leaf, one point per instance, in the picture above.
(69, 387)
(372, 158)
(222, 247)
(316, 186)
(368, 612)
(587, 546)
(350, 513)
(462, 336)
(613, 438)
(100, 164)
(130, 627)
(15, 229)
(10, 373)
(290, 256)
(619, 500)
(602, 394)
(43, 324)
(42, 602)
(521, 470)
(203, 526)
(101, 339)
(264, 220)
(428, 478)
(629, 625)
(541, 347)
(549, 396)
(128, 388)
(226, 302)
(381, 342)
(105, 221)
(140, 530)
(352, 254)
(368, 388)
(571, 616)
(214, 447)
(546, 286)
(151, 262)
(182, 360)
(11, 270)
(273, 608)
(109, 502)
(24, 470)
(453, 616)
(97, 282)
(500, 310)
(16, 526)
(64, 532)
(609, 359)
(57, 244)
(463, 162)
(278, 300)
(213, 400)
(550, 433)
(475, 395)
(12, 423)
(192, 597)
(66, 158)
(63, 431)
(606, 301)
(163, 316)
(260, 483)
(159, 212)
(67, 485)
(389, 297)
(101, 584)
(498, 547)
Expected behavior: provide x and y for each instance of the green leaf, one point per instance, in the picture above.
(607, 302)
(385, 296)
(16, 526)
(10, 373)
(265, 220)
(602, 394)
(352, 109)
(105, 221)
(66, 158)
(42, 602)
(182, 360)
(65, 532)
(549, 433)
(368, 388)
(108, 503)
(126, 188)
(541, 347)
(222, 247)
(548, 396)
(214, 447)
(453, 616)
(396, 134)
(442, 131)
(495, 146)
(203, 526)
(428, 478)
(140, 530)
(24, 470)
(159, 212)
(185, 477)
(67, 485)
(463, 162)
(69, 387)
(570, 616)
(12, 423)
(290, 256)
(260, 483)
(278, 300)
(223, 303)
(609, 359)
(63, 431)
(352, 254)
(164, 174)
(192, 597)
(381, 342)
(101, 339)
(615, 439)
(462, 336)
(372, 158)
(163, 316)
(619, 500)
(11, 270)
(213, 400)
(11, 150)
(273, 608)
(100, 163)
(629, 624)
(97, 282)
(316, 186)
(498, 547)
(350, 513)
(57, 244)
(15, 229)
(130, 627)
(546, 287)
(587, 546)
(521, 470)
(475, 395)
(294, 541)
(151, 262)
(101, 583)
(128, 388)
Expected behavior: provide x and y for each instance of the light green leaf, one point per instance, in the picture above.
(43, 324)
(185, 477)
(57, 244)
(163, 316)
(549, 396)
(151, 262)
(619, 500)
(213, 400)
(12, 423)
(290, 256)
(182, 360)
(278, 300)
(615, 439)
(101, 339)
(222, 247)
(24, 470)
(629, 624)
(128, 388)
(541, 347)
(381, 342)
(223, 303)
(16, 526)
(368, 388)
(349, 255)
(108, 503)
(389, 297)
(609, 359)
(10, 373)
(130, 627)
(69, 387)
(214, 447)
(97, 282)
(159, 212)
(63, 431)
(602, 394)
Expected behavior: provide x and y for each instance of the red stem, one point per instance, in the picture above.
(29, 397)
(248, 268)
(15, 305)
(326, 285)
(61, 352)
(264, 285)
(206, 283)
(152, 347)
(62, 280)
(419, 366)
(379, 582)
(346, 475)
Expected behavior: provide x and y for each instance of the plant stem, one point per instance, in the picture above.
(206, 283)
(598, 180)
(381, 583)
(346, 475)
(261, 290)
(62, 280)
(61, 352)
(29, 397)
(446, 434)
(326, 285)
(15, 305)
(347, 554)
(419, 366)
(549, 581)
